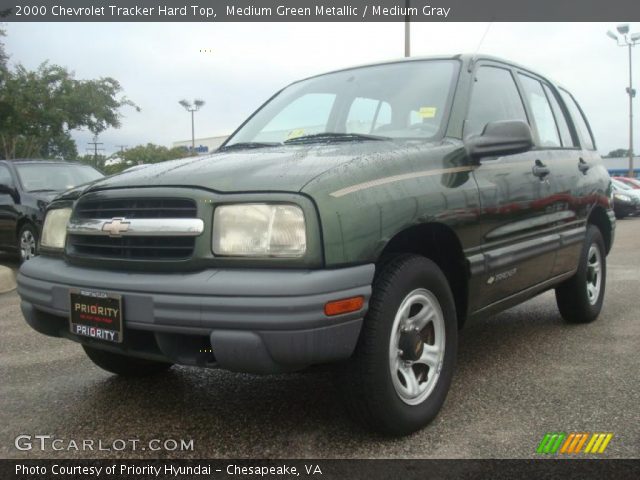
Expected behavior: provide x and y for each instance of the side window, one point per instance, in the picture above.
(561, 120)
(494, 97)
(541, 111)
(367, 114)
(578, 120)
(5, 176)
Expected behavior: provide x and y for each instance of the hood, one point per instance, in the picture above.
(283, 168)
(45, 197)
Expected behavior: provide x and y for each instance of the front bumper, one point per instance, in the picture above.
(244, 320)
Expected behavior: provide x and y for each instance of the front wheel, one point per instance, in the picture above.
(124, 365)
(580, 298)
(400, 373)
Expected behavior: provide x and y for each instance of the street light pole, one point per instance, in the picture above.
(631, 95)
(193, 131)
(192, 108)
(629, 41)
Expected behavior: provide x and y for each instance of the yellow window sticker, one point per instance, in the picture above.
(298, 132)
(427, 112)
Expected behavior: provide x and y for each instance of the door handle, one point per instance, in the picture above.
(583, 166)
(540, 170)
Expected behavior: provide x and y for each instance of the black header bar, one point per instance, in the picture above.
(319, 11)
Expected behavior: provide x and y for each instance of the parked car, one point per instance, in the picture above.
(26, 188)
(631, 182)
(358, 218)
(626, 200)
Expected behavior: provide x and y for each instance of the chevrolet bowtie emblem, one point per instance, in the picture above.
(116, 227)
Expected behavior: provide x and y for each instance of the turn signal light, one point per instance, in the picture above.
(346, 305)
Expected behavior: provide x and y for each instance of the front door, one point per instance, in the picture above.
(518, 248)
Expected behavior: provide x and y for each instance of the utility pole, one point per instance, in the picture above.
(122, 147)
(95, 144)
(407, 31)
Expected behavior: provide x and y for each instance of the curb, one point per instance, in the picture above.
(7, 279)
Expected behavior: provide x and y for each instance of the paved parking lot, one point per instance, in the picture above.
(520, 374)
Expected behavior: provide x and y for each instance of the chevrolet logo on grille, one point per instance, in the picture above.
(116, 227)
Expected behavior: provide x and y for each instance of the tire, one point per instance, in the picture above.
(123, 365)
(580, 298)
(28, 242)
(376, 385)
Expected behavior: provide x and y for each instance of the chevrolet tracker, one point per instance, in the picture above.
(358, 218)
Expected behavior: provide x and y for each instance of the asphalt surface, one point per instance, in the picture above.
(520, 374)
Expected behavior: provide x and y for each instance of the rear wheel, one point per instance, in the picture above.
(402, 368)
(124, 365)
(580, 298)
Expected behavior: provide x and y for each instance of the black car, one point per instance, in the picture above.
(26, 188)
(626, 200)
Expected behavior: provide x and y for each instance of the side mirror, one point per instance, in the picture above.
(505, 137)
(8, 190)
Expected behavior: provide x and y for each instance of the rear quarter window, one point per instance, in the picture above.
(579, 120)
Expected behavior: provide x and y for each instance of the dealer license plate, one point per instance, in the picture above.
(96, 315)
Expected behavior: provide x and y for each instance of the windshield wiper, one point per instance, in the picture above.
(248, 145)
(44, 190)
(333, 137)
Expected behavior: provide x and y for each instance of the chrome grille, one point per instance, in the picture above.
(147, 228)
(137, 208)
(132, 248)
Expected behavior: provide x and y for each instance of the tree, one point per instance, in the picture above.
(39, 109)
(3, 55)
(620, 152)
(98, 161)
(144, 154)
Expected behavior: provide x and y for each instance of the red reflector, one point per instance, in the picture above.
(345, 305)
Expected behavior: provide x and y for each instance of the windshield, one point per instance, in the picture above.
(43, 177)
(398, 100)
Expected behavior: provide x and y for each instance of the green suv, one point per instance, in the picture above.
(358, 218)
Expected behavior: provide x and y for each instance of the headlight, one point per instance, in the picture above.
(622, 197)
(259, 230)
(54, 231)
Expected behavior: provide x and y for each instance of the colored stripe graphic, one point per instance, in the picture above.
(598, 442)
(573, 443)
(551, 442)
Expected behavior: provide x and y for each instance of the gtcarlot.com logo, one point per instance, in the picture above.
(53, 443)
(574, 443)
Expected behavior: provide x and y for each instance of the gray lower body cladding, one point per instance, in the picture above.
(258, 321)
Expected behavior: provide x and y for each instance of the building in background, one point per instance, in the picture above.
(203, 145)
(619, 166)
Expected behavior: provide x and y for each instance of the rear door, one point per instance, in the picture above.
(518, 252)
(558, 147)
(586, 169)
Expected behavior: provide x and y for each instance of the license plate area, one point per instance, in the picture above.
(96, 314)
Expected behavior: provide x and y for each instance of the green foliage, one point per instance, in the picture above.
(39, 109)
(620, 152)
(97, 162)
(143, 154)
(3, 55)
